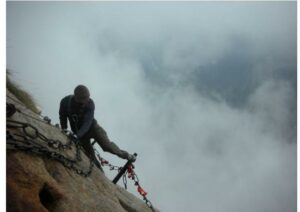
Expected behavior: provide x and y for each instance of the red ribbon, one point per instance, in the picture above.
(103, 162)
(141, 191)
(130, 171)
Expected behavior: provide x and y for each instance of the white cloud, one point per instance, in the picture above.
(195, 153)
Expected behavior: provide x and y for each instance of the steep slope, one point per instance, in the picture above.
(42, 174)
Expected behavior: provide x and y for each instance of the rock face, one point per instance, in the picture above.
(38, 183)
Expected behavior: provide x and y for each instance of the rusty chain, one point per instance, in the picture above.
(28, 142)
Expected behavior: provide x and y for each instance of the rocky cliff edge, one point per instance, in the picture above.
(42, 174)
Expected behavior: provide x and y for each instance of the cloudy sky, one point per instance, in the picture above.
(204, 92)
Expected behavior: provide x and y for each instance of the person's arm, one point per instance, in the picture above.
(87, 120)
(63, 118)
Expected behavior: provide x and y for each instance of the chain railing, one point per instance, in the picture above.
(30, 141)
(130, 173)
(11, 107)
(26, 137)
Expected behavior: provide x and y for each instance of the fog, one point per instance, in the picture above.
(205, 93)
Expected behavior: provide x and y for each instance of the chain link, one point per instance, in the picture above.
(131, 175)
(104, 162)
(28, 142)
(42, 119)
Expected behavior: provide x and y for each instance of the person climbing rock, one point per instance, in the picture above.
(79, 110)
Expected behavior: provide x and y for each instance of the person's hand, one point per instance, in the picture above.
(125, 155)
(73, 136)
(65, 131)
(131, 158)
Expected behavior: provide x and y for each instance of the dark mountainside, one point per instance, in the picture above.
(38, 178)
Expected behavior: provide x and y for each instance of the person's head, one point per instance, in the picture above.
(81, 95)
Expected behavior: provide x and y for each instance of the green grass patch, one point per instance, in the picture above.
(20, 93)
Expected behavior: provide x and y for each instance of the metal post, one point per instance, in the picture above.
(123, 170)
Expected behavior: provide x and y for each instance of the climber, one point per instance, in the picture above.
(79, 110)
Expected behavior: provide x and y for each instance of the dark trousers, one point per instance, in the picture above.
(98, 133)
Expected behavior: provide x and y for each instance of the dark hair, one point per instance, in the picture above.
(81, 91)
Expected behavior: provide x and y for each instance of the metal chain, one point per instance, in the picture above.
(104, 162)
(131, 175)
(28, 143)
(45, 119)
(28, 128)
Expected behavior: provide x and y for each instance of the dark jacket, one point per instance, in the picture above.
(81, 118)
